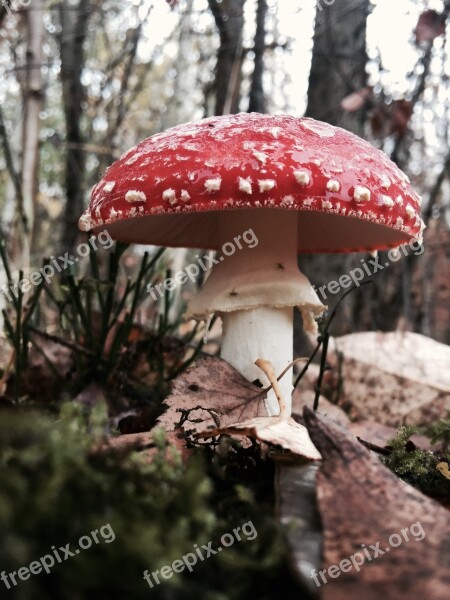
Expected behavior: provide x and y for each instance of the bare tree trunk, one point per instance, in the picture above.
(178, 110)
(33, 96)
(25, 179)
(339, 62)
(257, 101)
(229, 18)
(338, 68)
(73, 22)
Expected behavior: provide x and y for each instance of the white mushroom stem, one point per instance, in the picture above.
(254, 288)
(259, 333)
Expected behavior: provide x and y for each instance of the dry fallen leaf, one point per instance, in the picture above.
(443, 469)
(395, 378)
(214, 399)
(211, 394)
(284, 432)
(302, 398)
(378, 434)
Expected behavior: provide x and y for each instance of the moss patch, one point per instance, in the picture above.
(56, 488)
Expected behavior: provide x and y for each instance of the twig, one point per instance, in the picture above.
(283, 373)
(57, 340)
(323, 340)
(374, 447)
(323, 362)
(267, 368)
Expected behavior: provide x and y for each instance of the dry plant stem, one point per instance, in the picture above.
(57, 340)
(268, 370)
(290, 365)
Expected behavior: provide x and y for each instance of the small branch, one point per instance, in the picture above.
(374, 447)
(57, 340)
(267, 368)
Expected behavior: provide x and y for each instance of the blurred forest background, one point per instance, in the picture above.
(84, 80)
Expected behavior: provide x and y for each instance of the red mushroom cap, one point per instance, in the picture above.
(169, 189)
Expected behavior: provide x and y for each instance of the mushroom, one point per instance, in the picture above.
(298, 185)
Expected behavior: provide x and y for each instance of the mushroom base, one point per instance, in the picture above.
(260, 333)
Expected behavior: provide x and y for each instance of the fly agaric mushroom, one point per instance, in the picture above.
(300, 185)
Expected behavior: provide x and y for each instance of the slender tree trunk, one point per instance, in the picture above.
(229, 18)
(33, 96)
(73, 22)
(257, 101)
(339, 62)
(338, 68)
(25, 179)
(178, 110)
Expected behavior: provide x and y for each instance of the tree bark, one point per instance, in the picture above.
(339, 62)
(25, 179)
(338, 69)
(73, 22)
(178, 110)
(229, 18)
(33, 96)
(257, 101)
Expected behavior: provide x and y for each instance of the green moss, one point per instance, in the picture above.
(417, 466)
(56, 486)
(439, 433)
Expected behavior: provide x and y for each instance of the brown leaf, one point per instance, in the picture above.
(217, 400)
(431, 25)
(284, 432)
(395, 378)
(302, 398)
(357, 100)
(378, 434)
(212, 394)
(401, 113)
(362, 503)
(443, 469)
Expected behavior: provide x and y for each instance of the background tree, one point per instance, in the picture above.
(338, 69)
(229, 18)
(82, 81)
